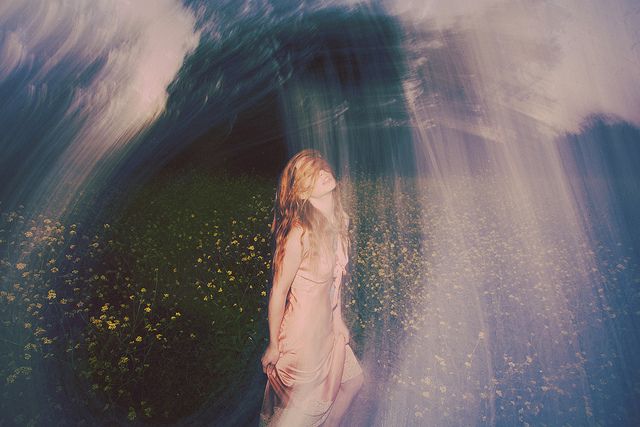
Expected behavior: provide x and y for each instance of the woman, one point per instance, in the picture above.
(312, 372)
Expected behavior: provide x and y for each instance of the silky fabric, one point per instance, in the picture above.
(314, 360)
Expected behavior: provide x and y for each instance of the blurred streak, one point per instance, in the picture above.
(514, 119)
(78, 80)
(102, 68)
(555, 61)
(513, 275)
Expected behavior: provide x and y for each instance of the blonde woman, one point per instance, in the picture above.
(312, 372)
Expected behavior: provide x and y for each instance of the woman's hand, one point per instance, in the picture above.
(270, 357)
(340, 328)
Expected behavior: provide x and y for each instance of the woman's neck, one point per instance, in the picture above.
(325, 205)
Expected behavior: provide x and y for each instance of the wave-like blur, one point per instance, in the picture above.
(518, 120)
(79, 81)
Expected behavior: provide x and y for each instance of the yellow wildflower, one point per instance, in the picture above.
(51, 294)
(138, 338)
(147, 309)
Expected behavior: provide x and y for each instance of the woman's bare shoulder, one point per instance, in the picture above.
(298, 232)
(297, 227)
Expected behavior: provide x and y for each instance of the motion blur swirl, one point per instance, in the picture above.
(487, 152)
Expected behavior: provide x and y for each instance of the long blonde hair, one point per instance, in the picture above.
(292, 208)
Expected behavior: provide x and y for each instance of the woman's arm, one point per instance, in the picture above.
(290, 264)
(291, 260)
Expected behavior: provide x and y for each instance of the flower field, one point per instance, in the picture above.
(162, 310)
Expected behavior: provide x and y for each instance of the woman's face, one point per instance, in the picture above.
(325, 183)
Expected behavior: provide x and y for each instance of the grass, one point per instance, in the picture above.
(162, 310)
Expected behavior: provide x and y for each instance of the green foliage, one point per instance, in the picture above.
(167, 301)
(163, 309)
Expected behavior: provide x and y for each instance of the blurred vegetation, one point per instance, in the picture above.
(162, 310)
(156, 311)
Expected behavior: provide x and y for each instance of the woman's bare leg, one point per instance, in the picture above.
(347, 392)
